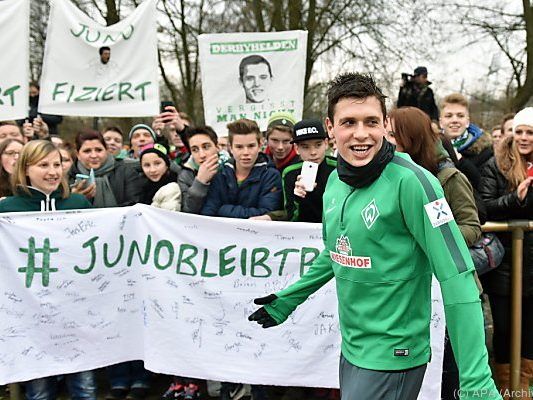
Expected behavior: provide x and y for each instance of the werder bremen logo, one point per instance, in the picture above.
(370, 214)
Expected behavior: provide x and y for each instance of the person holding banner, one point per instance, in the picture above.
(39, 185)
(387, 228)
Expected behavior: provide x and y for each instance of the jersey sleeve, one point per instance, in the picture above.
(317, 276)
(429, 219)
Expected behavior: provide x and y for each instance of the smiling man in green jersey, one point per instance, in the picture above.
(386, 229)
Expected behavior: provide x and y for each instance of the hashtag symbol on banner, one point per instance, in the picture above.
(30, 270)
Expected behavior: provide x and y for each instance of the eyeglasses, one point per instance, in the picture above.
(11, 153)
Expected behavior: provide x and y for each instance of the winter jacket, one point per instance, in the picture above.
(477, 154)
(289, 159)
(258, 194)
(383, 243)
(308, 209)
(38, 201)
(421, 97)
(168, 197)
(460, 197)
(125, 180)
(503, 204)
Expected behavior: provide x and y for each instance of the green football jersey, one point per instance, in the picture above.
(382, 244)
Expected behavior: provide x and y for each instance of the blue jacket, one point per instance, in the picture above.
(259, 194)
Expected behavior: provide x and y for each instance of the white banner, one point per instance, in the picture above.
(14, 68)
(81, 77)
(252, 75)
(82, 290)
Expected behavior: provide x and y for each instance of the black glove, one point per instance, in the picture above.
(262, 317)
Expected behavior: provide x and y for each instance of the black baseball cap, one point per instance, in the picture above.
(308, 129)
(420, 71)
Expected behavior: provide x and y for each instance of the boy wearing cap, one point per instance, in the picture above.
(311, 143)
(279, 137)
(140, 135)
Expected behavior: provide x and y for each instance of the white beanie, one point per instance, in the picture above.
(523, 117)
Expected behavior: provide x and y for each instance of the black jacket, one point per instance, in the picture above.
(310, 208)
(413, 95)
(503, 204)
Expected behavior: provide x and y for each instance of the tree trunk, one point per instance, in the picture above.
(524, 93)
(112, 16)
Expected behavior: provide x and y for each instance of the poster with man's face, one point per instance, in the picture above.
(252, 75)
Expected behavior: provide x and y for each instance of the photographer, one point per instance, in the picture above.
(415, 92)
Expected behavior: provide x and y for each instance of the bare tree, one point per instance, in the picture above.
(510, 26)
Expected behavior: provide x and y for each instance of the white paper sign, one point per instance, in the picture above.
(82, 290)
(81, 78)
(252, 75)
(14, 68)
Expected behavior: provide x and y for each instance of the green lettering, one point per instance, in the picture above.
(87, 95)
(122, 91)
(163, 244)
(126, 37)
(187, 259)
(95, 39)
(303, 255)
(72, 87)
(264, 253)
(108, 36)
(223, 261)
(111, 264)
(89, 243)
(56, 91)
(284, 253)
(134, 247)
(244, 253)
(142, 86)
(10, 92)
(222, 118)
(83, 27)
(108, 91)
(203, 272)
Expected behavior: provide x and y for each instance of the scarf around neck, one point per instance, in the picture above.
(359, 177)
(104, 196)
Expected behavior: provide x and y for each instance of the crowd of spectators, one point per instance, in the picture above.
(245, 173)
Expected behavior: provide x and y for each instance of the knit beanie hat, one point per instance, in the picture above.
(142, 126)
(523, 117)
(157, 149)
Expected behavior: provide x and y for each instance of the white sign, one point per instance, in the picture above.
(14, 68)
(252, 75)
(82, 290)
(93, 70)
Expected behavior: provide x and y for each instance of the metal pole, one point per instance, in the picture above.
(516, 308)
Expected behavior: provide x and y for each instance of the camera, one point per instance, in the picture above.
(406, 78)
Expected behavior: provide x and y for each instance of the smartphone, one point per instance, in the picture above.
(81, 177)
(529, 169)
(165, 104)
(309, 170)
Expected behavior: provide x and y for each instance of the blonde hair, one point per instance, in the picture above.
(33, 152)
(510, 162)
(454, 98)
